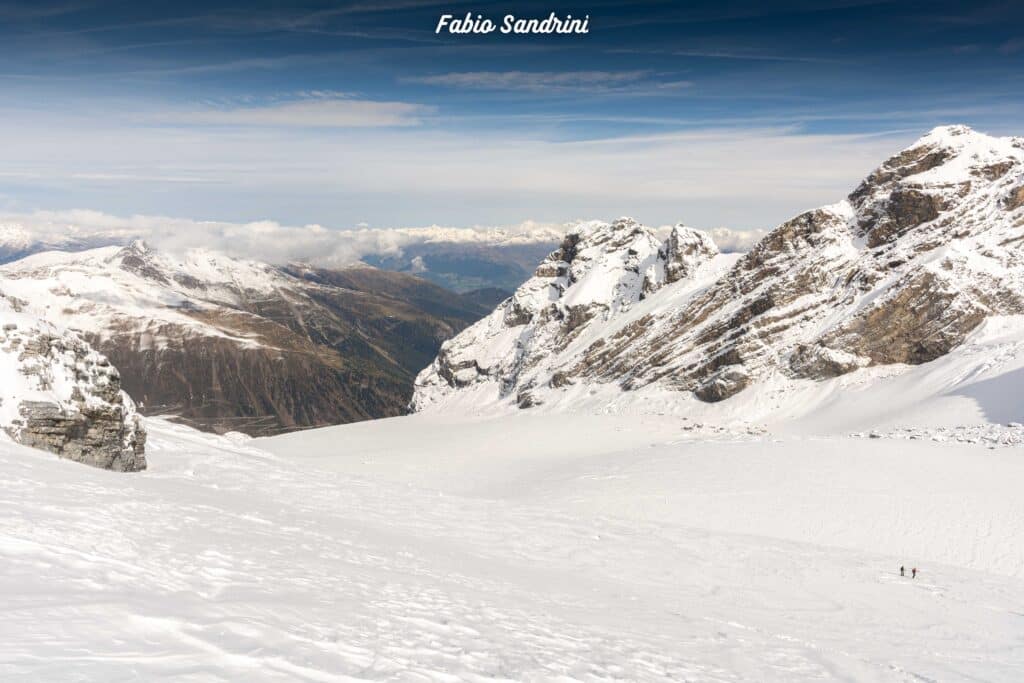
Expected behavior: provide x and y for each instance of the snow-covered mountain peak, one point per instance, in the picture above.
(954, 154)
(601, 272)
(952, 136)
(215, 274)
(685, 251)
(138, 246)
(136, 289)
(926, 248)
(940, 187)
(948, 158)
(617, 264)
(961, 139)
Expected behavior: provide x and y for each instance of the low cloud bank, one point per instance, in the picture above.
(259, 240)
(276, 243)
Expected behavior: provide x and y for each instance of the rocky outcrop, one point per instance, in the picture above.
(817, 361)
(902, 271)
(685, 251)
(1015, 199)
(62, 396)
(921, 321)
(97, 436)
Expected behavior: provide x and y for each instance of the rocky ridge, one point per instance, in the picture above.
(60, 395)
(598, 274)
(926, 248)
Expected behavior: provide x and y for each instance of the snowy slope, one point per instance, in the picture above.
(131, 289)
(542, 547)
(902, 272)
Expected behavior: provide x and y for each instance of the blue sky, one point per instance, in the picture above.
(724, 113)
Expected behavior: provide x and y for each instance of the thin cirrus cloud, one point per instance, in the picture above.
(311, 113)
(553, 81)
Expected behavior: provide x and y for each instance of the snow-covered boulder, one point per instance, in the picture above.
(58, 394)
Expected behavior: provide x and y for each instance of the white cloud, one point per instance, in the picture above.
(550, 81)
(272, 242)
(259, 240)
(319, 111)
(121, 177)
(729, 240)
(726, 239)
(529, 79)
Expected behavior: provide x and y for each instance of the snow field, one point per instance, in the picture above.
(553, 547)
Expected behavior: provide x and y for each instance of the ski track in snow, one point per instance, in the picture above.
(365, 553)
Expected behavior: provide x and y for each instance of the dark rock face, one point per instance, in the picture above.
(516, 313)
(1016, 199)
(917, 159)
(335, 347)
(684, 252)
(216, 385)
(559, 379)
(94, 436)
(723, 384)
(907, 209)
(921, 322)
(816, 361)
(526, 398)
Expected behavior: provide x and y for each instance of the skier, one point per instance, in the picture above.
(913, 573)
(902, 571)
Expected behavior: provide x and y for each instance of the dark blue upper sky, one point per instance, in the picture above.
(339, 113)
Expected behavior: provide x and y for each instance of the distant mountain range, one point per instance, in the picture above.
(231, 344)
(460, 259)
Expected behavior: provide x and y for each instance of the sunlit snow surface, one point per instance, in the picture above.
(527, 547)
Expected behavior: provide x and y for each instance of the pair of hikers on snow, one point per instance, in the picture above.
(913, 572)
